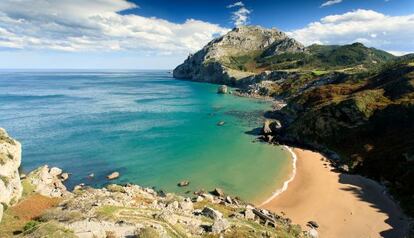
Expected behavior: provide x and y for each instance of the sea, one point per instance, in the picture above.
(154, 130)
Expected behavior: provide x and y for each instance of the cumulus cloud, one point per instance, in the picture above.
(330, 3)
(78, 25)
(392, 33)
(241, 15)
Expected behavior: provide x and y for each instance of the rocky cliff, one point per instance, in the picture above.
(223, 59)
(10, 159)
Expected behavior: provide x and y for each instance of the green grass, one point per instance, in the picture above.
(107, 212)
(320, 72)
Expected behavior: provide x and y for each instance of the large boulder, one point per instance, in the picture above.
(48, 181)
(10, 158)
(213, 214)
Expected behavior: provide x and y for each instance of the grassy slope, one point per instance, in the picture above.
(317, 57)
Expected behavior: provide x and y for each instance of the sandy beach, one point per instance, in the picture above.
(343, 205)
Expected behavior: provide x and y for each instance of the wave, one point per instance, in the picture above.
(286, 183)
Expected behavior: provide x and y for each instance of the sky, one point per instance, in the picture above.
(159, 34)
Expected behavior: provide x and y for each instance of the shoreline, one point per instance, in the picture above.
(343, 205)
(286, 183)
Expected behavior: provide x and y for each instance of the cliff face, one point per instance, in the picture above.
(10, 159)
(218, 61)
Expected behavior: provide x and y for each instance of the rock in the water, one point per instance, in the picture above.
(183, 183)
(218, 192)
(213, 214)
(113, 175)
(222, 89)
(219, 226)
(91, 175)
(220, 123)
(54, 171)
(64, 176)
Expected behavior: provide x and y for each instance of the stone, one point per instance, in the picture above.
(183, 183)
(186, 205)
(313, 224)
(219, 226)
(91, 175)
(113, 175)
(229, 200)
(22, 176)
(222, 89)
(64, 176)
(218, 192)
(55, 171)
(199, 199)
(11, 188)
(210, 212)
(220, 123)
(266, 127)
(313, 233)
(248, 214)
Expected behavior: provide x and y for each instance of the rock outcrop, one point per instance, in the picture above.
(48, 181)
(10, 158)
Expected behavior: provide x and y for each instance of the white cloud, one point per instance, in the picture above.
(393, 33)
(330, 3)
(236, 4)
(97, 25)
(241, 15)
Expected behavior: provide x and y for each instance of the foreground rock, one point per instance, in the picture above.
(48, 181)
(133, 211)
(10, 158)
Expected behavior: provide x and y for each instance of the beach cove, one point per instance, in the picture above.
(154, 130)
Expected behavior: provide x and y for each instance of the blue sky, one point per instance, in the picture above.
(149, 34)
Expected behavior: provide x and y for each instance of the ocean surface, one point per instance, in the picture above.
(151, 128)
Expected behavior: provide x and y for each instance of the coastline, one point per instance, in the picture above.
(340, 203)
(286, 183)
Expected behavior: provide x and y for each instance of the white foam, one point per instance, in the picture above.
(286, 183)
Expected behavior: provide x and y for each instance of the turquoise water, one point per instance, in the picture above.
(151, 128)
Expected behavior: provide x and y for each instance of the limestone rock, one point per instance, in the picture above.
(47, 182)
(219, 226)
(113, 175)
(183, 183)
(210, 212)
(218, 192)
(211, 64)
(10, 159)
